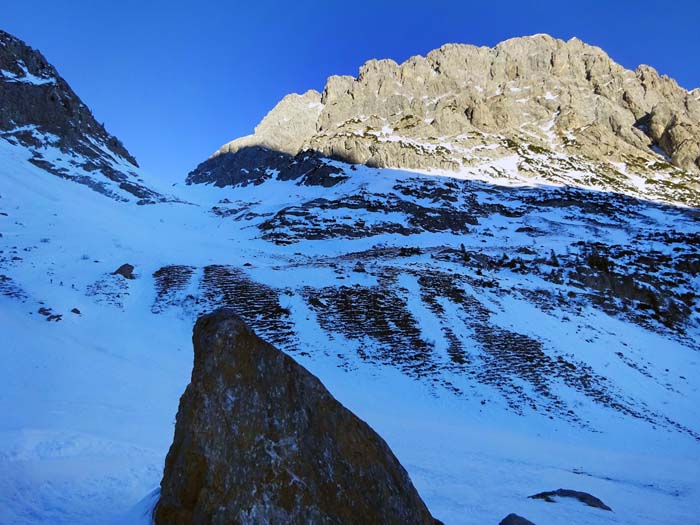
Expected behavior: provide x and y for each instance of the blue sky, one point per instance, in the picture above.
(175, 80)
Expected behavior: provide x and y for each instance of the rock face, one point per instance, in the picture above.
(275, 149)
(463, 108)
(126, 270)
(258, 439)
(286, 127)
(41, 112)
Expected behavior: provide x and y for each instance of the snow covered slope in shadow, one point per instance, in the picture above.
(504, 340)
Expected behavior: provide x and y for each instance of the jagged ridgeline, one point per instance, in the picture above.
(533, 108)
(40, 111)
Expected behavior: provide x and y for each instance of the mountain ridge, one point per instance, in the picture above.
(546, 107)
(41, 112)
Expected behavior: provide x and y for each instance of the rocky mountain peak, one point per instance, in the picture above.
(40, 112)
(27, 74)
(285, 128)
(529, 108)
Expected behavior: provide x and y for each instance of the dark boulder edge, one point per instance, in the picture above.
(126, 270)
(259, 439)
(514, 519)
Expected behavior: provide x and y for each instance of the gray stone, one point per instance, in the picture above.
(258, 439)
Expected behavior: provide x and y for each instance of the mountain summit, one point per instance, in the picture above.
(535, 108)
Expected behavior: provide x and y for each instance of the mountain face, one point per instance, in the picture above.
(532, 109)
(509, 295)
(41, 112)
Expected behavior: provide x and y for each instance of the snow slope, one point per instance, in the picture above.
(88, 400)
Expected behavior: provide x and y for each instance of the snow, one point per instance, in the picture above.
(548, 130)
(490, 158)
(27, 78)
(633, 180)
(43, 137)
(88, 403)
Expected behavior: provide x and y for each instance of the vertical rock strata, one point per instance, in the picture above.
(463, 106)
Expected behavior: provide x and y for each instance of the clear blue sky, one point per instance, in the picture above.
(175, 80)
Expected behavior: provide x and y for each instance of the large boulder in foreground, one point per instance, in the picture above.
(259, 439)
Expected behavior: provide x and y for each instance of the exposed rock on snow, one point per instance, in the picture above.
(39, 110)
(258, 439)
(583, 497)
(126, 270)
(497, 258)
(256, 164)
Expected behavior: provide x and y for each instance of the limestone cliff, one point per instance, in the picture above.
(546, 108)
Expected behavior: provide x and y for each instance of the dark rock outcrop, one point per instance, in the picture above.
(256, 164)
(583, 497)
(126, 270)
(514, 519)
(258, 439)
(39, 110)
